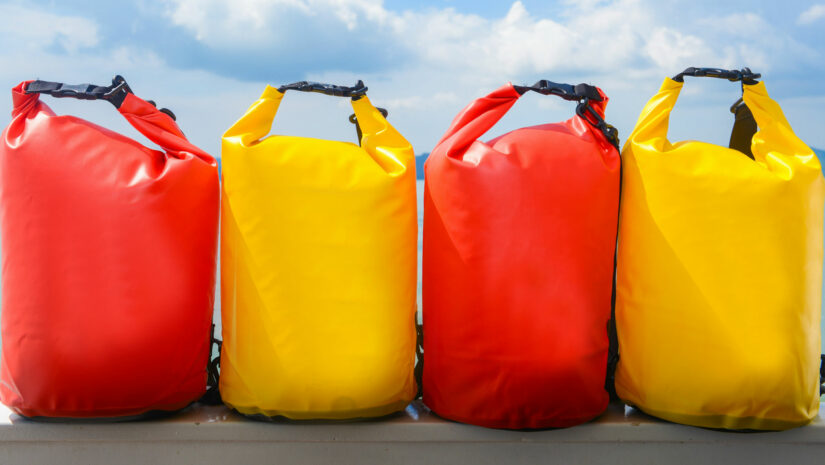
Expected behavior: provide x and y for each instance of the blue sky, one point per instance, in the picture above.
(208, 60)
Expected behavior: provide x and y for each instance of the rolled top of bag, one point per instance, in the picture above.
(356, 92)
(745, 74)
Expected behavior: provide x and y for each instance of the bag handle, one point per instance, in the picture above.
(355, 92)
(771, 134)
(114, 94)
(482, 114)
(369, 121)
(565, 91)
(744, 125)
(158, 125)
(745, 74)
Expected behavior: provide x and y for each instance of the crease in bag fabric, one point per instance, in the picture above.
(719, 270)
(318, 267)
(519, 244)
(108, 259)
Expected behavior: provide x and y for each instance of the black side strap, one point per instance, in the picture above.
(822, 375)
(584, 110)
(613, 341)
(114, 94)
(213, 369)
(355, 92)
(354, 120)
(612, 331)
(744, 128)
(419, 355)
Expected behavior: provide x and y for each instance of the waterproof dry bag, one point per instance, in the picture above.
(318, 266)
(108, 257)
(719, 269)
(519, 241)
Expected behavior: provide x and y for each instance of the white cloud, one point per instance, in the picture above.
(671, 49)
(222, 23)
(606, 36)
(598, 37)
(812, 14)
(33, 29)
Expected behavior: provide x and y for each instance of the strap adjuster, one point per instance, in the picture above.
(586, 112)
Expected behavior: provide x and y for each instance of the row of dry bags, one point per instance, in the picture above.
(108, 253)
(719, 273)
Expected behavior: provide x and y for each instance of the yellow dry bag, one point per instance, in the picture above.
(720, 269)
(318, 266)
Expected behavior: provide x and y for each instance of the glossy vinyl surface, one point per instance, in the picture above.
(519, 241)
(719, 273)
(318, 263)
(108, 264)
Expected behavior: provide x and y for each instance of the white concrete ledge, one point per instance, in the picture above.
(214, 435)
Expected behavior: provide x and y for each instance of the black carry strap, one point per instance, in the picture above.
(115, 93)
(213, 370)
(745, 74)
(565, 91)
(354, 120)
(744, 125)
(355, 92)
(582, 93)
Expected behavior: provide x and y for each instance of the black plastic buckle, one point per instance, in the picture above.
(745, 74)
(586, 112)
(354, 120)
(118, 91)
(355, 92)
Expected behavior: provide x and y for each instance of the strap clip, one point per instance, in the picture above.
(354, 120)
(586, 112)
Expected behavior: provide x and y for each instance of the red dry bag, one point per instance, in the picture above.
(108, 259)
(519, 242)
